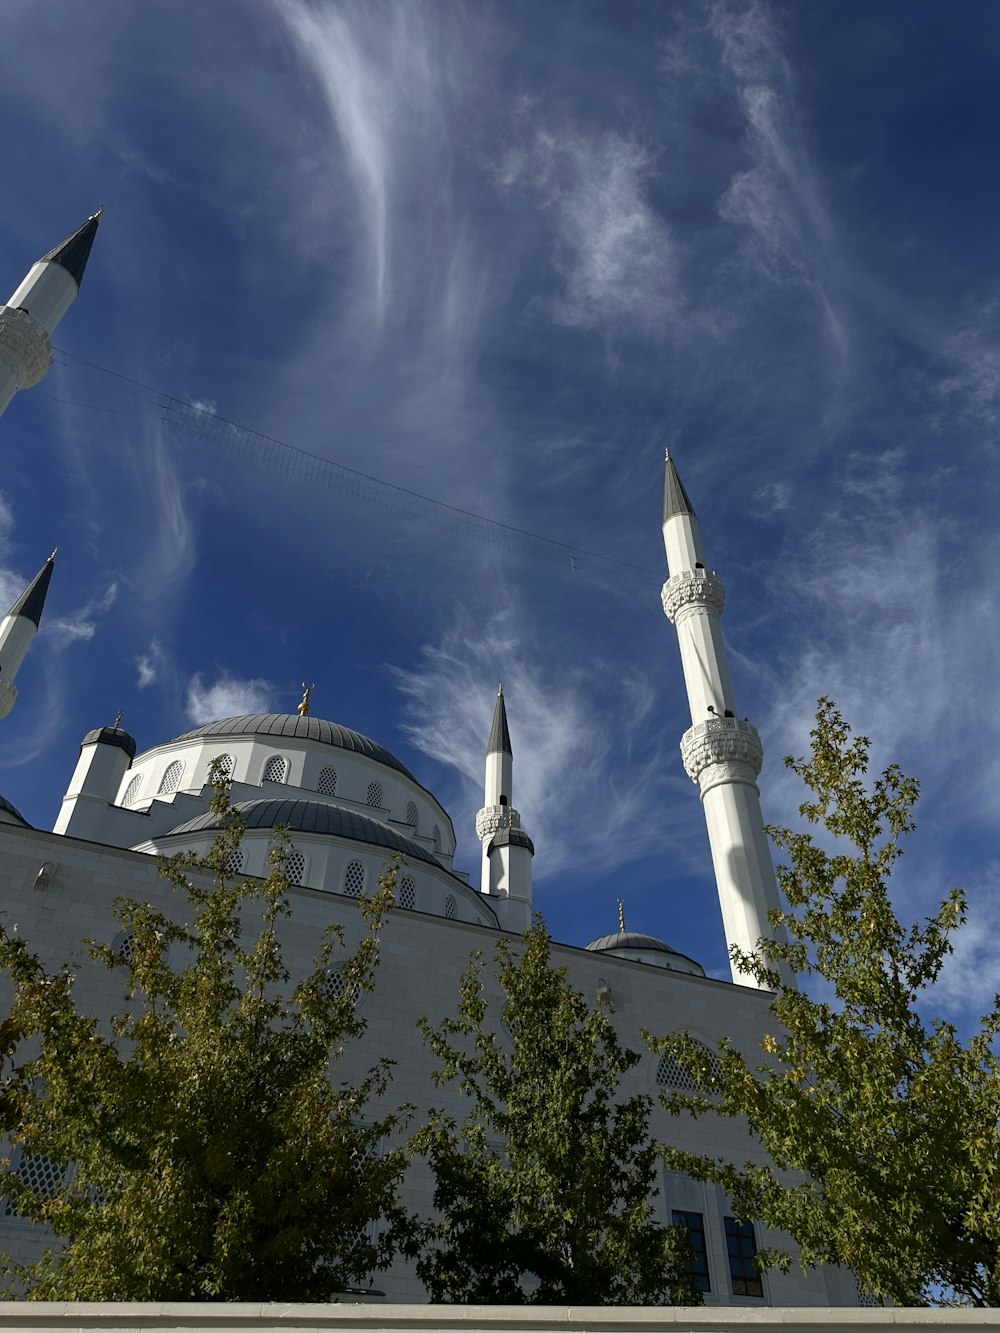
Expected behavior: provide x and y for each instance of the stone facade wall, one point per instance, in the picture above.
(422, 959)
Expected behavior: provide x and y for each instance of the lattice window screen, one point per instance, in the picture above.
(226, 764)
(450, 909)
(374, 795)
(327, 781)
(295, 867)
(275, 769)
(171, 779)
(39, 1173)
(354, 878)
(407, 892)
(132, 790)
(411, 813)
(672, 1075)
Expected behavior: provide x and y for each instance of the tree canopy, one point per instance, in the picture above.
(197, 1149)
(892, 1119)
(546, 1189)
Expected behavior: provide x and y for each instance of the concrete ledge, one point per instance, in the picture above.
(359, 1318)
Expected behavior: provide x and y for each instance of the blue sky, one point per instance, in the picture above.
(501, 255)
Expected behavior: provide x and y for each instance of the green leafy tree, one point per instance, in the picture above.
(881, 1125)
(203, 1151)
(546, 1189)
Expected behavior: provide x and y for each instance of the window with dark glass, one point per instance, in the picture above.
(694, 1225)
(742, 1247)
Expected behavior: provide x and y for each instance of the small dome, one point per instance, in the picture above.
(312, 817)
(300, 728)
(511, 837)
(631, 942)
(9, 814)
(110, 736)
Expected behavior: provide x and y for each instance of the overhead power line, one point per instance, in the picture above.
(275, 454)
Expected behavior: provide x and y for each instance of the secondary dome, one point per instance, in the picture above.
(9, 814)
(313, 817)
(630, 944)
(300, 728)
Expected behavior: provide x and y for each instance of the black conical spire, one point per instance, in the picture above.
(72, 253)
(499, 735)
(675, 497)
(32, 600)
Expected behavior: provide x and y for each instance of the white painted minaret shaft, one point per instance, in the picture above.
(36, 307)
(507, 851)
(721, 752)
(17, 630)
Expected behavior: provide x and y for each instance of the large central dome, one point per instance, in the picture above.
(302, 728)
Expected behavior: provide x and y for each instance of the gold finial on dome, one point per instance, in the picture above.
(304, 707)
(621, 915)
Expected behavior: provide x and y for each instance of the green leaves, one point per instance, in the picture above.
(208, 1154)
(893, 1121)
(545, 1190)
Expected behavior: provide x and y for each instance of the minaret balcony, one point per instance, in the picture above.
(492, 818)
(721, 741)
(693, 590)
(24, 345)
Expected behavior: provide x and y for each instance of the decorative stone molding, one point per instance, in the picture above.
(695, 588)
(721, 740)
(492, 818)
(24, 345)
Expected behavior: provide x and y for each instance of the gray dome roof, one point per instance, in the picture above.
(313, 817)
(9, 809)
(511, 837)
(299, 728)
(630, 939)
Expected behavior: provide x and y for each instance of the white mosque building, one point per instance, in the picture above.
(348, 804)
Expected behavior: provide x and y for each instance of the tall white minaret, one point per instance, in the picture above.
(722, 753)
(32, 313)
(507, 851)
(18, 627)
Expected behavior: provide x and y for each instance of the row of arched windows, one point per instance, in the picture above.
(275, 770)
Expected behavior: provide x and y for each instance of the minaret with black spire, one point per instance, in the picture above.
(17, 629)
(722, 753)
(32, 313)
(507, 850)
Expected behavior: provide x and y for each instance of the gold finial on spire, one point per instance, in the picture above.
(666, 455)
(500, 689)
(304, 707)
(621, 915)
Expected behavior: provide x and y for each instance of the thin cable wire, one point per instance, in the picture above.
(298, 463)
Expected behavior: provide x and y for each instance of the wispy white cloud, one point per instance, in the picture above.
(227, 696)
(149, 665)
(612, 248)
(968, 980)
(80, 624)
(588, 775)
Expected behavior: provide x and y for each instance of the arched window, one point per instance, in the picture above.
(295, 867)
(672, 1075)
(171, 779)
(232, 862)
(327, 781)
(407, 893)
(374, 796)
(275, 769)
(38, 1172)
(450, 908)
(124, 948)
(225, 765)
(436, 838)
(132, 790)
(411, 813)
(354, 878)
(335, 985)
